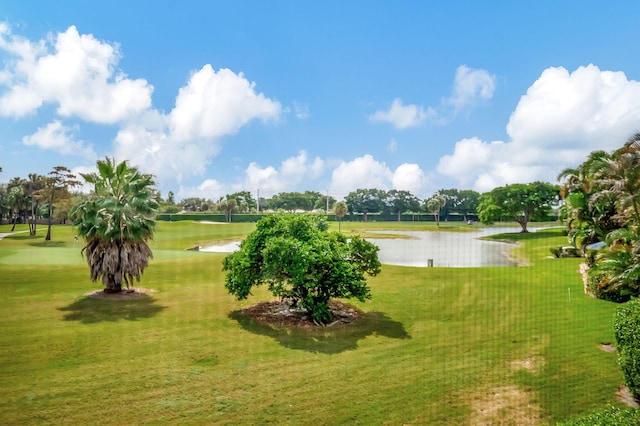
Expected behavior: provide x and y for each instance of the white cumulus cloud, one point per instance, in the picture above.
(57, 137)
(367, 172)
(402, 116)
(470, 85)
(562, 117)
(214, 104)
(409, 177)
(75, 72)
(183, 142)
(292, 171)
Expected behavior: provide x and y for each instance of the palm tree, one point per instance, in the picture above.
(56, 188)
(116, 223)
(341, 209)
(435, 204)
(17, 203)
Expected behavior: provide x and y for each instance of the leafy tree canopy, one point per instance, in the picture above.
(300, 261)
(520, 202)
(402, 201)
(366, 201)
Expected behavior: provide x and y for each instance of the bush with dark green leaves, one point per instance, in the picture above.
(302, 262)
(612, 416)
(627, 333)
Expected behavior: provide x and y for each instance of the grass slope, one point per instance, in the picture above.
(436, 346)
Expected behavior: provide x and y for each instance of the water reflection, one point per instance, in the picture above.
(445, 249)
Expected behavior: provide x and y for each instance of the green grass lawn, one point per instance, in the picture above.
(436, 345)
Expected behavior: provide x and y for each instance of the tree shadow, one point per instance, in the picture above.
(90, 310)
(45, 243)
(328, 340)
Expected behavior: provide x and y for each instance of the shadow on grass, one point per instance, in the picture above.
(328, 340)
(92, 310)
(46, 243)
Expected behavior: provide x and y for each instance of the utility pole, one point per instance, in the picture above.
(258, 202)
(327, 212)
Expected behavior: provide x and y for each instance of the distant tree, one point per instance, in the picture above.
(32, 191)
(56, 188)
(4, 203)
(462, 202)
(366, 201)
(302, 263)
(62, 208)
(519, 202)
(116, 223)
(227, 207)
(17, 202)
(244, 200)
(292, 201)
(193, 204)
(324, 202)
(170, 199)
(434, 205)
(402, 201)
(341, 209)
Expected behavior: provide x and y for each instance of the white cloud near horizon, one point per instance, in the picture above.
(292, 171)
(557, 123)
(366, 172)
(470, 85)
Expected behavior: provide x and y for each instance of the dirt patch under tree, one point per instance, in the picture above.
(279, 313)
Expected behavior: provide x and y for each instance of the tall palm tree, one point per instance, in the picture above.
(435, 204)
(17, 203)
(341, 209)
(116, 223)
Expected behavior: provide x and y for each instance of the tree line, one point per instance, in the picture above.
(35, 198)
(28, 200)
(363, 202)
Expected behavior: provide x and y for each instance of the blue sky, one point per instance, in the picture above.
(214, 97)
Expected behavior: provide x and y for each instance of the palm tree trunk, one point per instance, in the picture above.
(48, 237)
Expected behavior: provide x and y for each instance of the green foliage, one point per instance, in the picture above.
(520, 202)
(116, 222)
(612, 416)
(366, 201)
(462, 202)
(300, 261)
(602, 203)
(435, 204)
(616, 269)
(627, 333)
(402, 201)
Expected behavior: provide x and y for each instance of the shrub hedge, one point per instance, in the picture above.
(627, 332)
(612, 416)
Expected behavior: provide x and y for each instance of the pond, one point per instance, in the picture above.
(442, 249)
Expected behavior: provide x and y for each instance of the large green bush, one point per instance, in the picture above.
(627, 333)
(300, 261)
